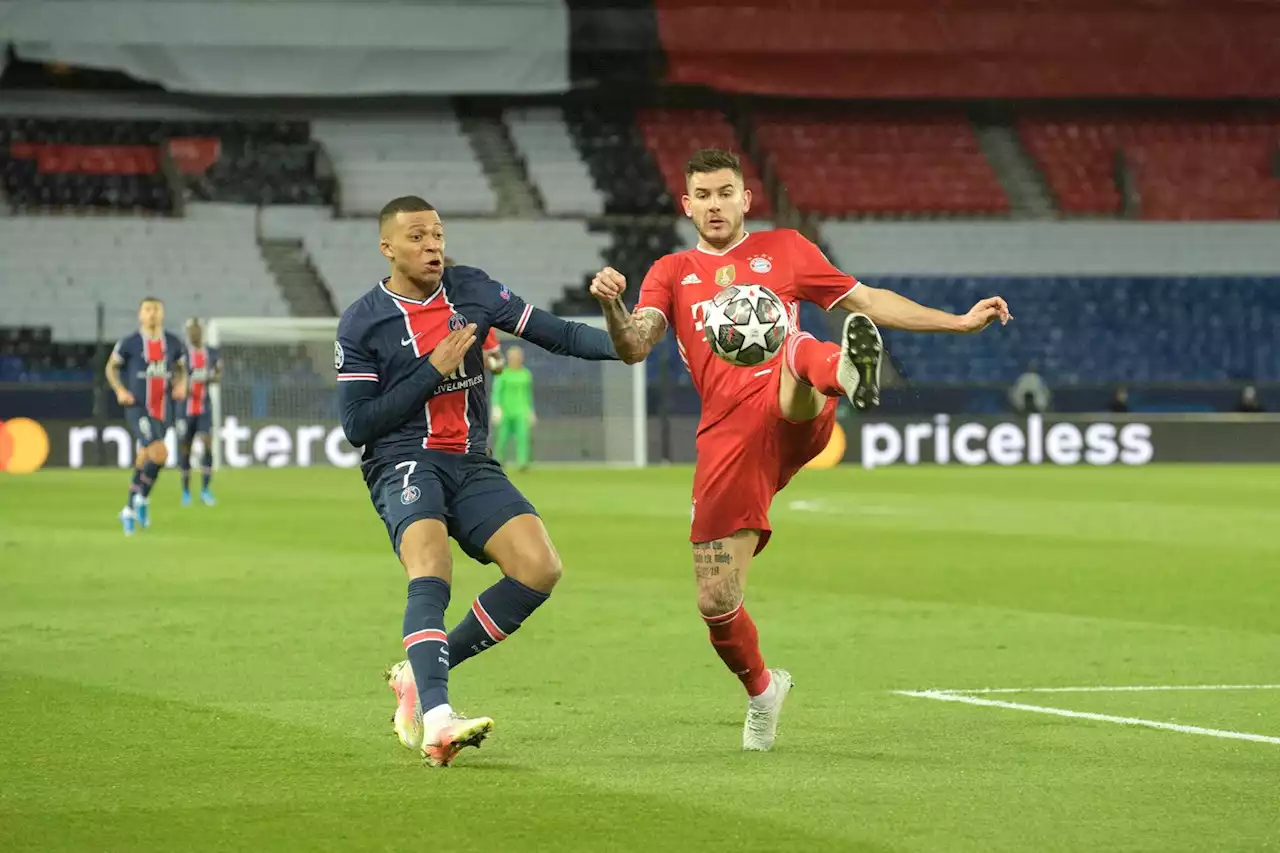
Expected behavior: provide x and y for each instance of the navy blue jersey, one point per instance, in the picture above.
(147, 366)
(393, 398)
(202, 367)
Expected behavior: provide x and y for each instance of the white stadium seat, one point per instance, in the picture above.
(538, 259)
(378, 159)
(553, 161)
(55, 270)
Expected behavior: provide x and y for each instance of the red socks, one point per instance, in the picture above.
(734, 637)
(813, 362)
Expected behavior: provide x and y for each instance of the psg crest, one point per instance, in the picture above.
(410, 495)
(456, 322)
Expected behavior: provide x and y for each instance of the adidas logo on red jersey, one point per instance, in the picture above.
(691, 278)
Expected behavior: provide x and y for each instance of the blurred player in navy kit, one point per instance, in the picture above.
(196, 421)
(147, 370)
(412, 392)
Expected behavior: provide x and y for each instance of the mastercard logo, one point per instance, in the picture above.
(833, 454)
(24, 446)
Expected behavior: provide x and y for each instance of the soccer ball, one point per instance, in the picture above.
(745, 324)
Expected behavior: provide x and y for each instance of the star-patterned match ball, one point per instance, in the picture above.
(745, 324)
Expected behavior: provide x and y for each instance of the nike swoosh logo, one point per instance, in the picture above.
(408, 341)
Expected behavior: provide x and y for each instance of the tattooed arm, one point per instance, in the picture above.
(634, 333)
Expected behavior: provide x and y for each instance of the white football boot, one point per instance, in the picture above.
(861, 350)
(445, 734)
(407, 719)
(761, 728)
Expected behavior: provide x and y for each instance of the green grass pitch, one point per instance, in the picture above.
(213, 684)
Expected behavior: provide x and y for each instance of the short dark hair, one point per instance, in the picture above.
(712, 160)
(146, 299)
(404, 204)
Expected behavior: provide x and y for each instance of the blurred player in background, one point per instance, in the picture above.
(412, 393)
(758, 427)
(146, 370)
(513, 408)
(492, 350)
(196, 422)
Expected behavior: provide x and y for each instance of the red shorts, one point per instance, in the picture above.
(749, 456)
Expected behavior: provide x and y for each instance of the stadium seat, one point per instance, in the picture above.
(1204, 164)
(1100, 330)
(539, 259)
(842, 163)
(56, 270)
(92, 163)
(378, 159)
(552, 161)
(620, 164)
(673, 135)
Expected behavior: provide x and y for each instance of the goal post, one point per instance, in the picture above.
(277, 403)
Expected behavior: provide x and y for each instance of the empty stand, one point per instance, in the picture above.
(1183, 166)
(538, 259)
(620, 164)
(554, 164)
(672, 135)
(836, 163)
(55, 270)
(1100, 330)
(428, 155)
(68, 163)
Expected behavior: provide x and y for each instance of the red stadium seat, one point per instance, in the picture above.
(837, 165)
(672, 135)
(1201, 166)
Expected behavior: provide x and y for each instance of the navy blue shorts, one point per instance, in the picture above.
(189, 426)
(144, 428)
(469, 492)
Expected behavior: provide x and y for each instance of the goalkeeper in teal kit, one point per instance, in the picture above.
(513, 408)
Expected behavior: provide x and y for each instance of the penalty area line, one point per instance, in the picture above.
(1137, 688)
(1087, 715)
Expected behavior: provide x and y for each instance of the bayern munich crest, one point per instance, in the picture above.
(761, 264)
(456, 322)
(410, 495)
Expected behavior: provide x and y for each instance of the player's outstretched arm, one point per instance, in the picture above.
(369, 414)
(634, 334)
(564, 337)
(894, 311)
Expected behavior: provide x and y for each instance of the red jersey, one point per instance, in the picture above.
(680, 285)
(490, 342)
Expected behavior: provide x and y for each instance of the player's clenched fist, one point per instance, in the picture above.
(448, 354)
(608, 285)
(124, 398)
(986, 312)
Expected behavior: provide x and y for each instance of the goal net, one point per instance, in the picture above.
(277, 403)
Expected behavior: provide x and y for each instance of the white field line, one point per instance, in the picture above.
(1085, 715)
(1144, 688)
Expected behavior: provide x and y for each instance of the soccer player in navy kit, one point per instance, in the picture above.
(196, 420)
(411, 390)
(146, 370)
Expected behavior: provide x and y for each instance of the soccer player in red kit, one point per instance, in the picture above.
(759, 425)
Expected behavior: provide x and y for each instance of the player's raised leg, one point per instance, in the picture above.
(850, 368)
(424, 552)
(720, 567)
(530, 568)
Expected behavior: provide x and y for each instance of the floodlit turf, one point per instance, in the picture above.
(213, 684)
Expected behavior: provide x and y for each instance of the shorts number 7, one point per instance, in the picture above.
(412, 465)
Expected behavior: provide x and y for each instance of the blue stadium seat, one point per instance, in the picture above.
(1100, 330)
